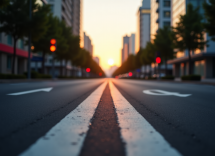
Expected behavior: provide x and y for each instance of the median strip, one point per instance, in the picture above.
(104, 137)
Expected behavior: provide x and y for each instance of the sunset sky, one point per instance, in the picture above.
(106, 22)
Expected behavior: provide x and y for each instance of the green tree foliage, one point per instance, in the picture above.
(189, 32)
(164, 44)
(4, 3)
(15, 21)
(209, 14)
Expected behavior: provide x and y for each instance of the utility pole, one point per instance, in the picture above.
(29, 42)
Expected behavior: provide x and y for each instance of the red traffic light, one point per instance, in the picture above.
(53, 46)
(130, 74)
(100, 74)
(158, 60)
(88, 70)
(53, 41)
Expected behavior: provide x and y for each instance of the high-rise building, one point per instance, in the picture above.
(88, 44)
(203, 60)
(160, 15)
(132, 44)
(143, 25)
(125, 48)
(69, 11)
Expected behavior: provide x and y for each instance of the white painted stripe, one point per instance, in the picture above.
(140, 138)
(66, 138)
(32, 91)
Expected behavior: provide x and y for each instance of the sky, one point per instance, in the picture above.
(106, 22)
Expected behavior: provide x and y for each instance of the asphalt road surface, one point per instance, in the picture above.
(111, 117)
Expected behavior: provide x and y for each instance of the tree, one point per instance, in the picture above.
(188, 33)
(15, 21)
(209, 14)
(164, 44)
(43, 44)
(4, 3)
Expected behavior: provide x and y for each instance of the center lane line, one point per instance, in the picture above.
(66, 138)
(139, 136)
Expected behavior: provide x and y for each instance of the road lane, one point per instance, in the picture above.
(187, 123)
(25, 118)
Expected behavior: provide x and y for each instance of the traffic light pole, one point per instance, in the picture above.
(53, 72)
(29, 44)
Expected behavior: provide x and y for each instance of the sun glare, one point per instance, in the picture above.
(111, 62)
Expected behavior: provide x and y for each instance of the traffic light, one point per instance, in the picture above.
(53, 46)
(158, 58)
(88, 70)
(130, 74)
(100, 74)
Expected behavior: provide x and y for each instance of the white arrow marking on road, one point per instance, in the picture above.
(32, 91)
(164, 93)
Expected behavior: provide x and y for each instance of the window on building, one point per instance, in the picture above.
(63, 9)
(167, 3)
(9, 39)
(166, 24)
(166, 13)
(9, 62)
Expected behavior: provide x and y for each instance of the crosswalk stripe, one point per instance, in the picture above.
(139, 136)
(66, 138)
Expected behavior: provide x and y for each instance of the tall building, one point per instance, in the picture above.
(69, 11)
(143, 25)
(125, 49)
(132, 44)
(88, 44)
(77, 23)
(160, 15)
(203, 61)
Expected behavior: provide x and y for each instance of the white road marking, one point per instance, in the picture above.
(32, 91)
(66, 138)
(14, 84)
(164, 93)
(139, 136)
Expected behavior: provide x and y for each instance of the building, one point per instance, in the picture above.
(203, 61)
(160, 17)
(6, 55)
(88, 44)
(125, 48)
(132, 44)
(143, 25)
(96, 59)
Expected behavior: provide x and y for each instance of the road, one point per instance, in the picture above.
(107, 117)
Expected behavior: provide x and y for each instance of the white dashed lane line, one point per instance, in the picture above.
(139, 136)
(66, 138)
